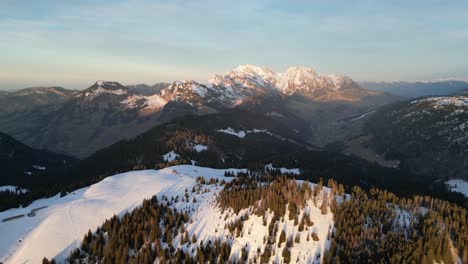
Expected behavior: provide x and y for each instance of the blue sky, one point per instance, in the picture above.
(74, 43)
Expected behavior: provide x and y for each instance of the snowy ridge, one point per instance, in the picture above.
(87, 208)
(32, 238)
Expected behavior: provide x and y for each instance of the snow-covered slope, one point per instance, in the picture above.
(59, 227)
(210, 224)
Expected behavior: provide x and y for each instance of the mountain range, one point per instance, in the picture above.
(106, 112)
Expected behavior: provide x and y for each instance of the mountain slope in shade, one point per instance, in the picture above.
(267, 138)
(22, 165)
(429, 135)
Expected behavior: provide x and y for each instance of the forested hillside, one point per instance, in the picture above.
(367, 227)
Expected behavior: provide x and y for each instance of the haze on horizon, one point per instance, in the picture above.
(140, 41)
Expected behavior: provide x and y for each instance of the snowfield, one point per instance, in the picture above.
(59, 226)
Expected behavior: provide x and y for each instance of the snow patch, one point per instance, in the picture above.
(38, 167)
(200, 148)
(295, 171)
(170, 156)
(458, 185)
(146, 102)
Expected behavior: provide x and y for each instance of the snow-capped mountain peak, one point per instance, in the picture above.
(252, 70)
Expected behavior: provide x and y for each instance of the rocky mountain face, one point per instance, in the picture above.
(429, 136)
(29, 98)
(108, 111)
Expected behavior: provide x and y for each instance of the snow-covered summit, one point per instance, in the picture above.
(103, 87)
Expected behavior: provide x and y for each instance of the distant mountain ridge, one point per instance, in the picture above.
(419, 88)
(29, 98)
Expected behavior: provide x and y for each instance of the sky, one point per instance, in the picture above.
(74, 43)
